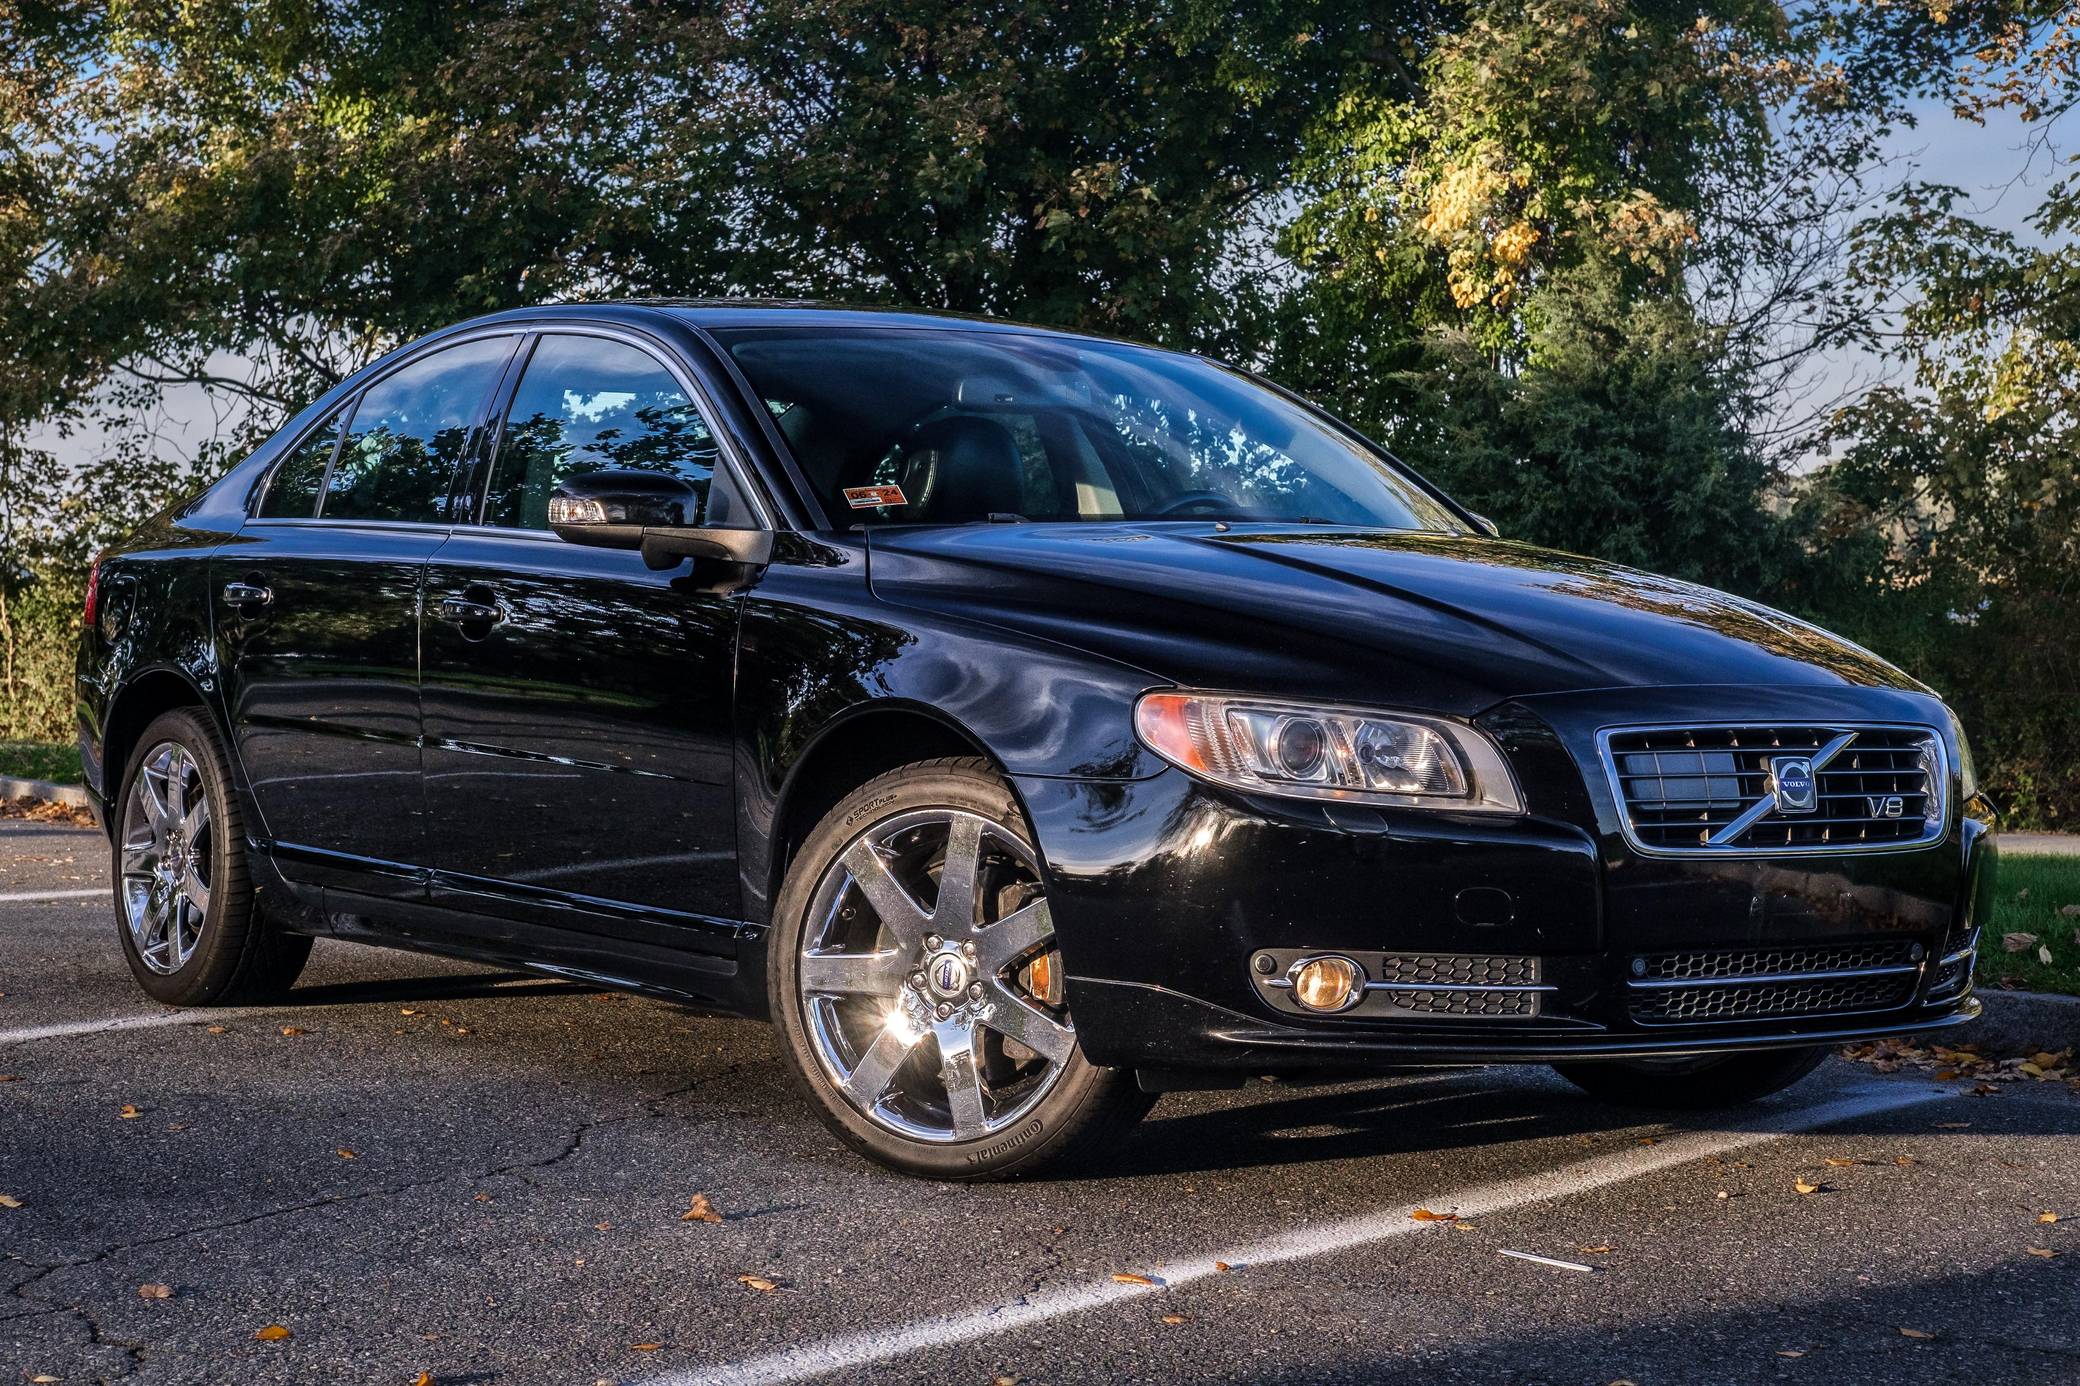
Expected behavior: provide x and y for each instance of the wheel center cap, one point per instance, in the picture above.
(948, 974)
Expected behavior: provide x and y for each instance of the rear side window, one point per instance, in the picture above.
(590, 404)
(292, 492)
(410, 433)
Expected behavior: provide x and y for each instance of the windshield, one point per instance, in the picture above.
(938, 426)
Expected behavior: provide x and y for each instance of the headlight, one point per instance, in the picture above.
(1967, 774)
(1327, 752)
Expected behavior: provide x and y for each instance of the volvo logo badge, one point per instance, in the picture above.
(1791, 782)
(949, 975)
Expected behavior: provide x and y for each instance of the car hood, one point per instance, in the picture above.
(1451, 623)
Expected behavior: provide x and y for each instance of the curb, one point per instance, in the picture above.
(70, 795)
(2023, 1022)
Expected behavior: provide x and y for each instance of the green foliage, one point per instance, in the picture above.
(2031, 892)
(39, 629)
(50, 761)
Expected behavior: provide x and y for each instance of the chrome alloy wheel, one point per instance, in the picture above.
(934, 925)
(166, 858)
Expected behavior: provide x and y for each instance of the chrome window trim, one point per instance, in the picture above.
(1941, 790)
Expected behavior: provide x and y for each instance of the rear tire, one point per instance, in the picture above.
(935, 1079)
(185, 910)
(1723, 1080)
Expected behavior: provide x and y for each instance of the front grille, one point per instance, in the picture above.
(1771, 1000)
(1461, 1003)
(1751, 962)
(1713, 789)
(1953, 973)
(1463, 971)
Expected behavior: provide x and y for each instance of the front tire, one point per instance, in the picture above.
(190, 927)
(1699, 1084)
(918, 990)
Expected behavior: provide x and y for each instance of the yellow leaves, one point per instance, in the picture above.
(273, 1333)
(292, 1031)
(1130, 1278)
(1804, 1187)
(1173, 1319)
(700, 1210)
(346, 1154)
(423, 1379)
(1914, 1333)
(2044, 1252)
(646, 1347)
(130, 1111)
(2047, 1216)
(9, 1201)
(216, 1029)
(758, 1283)
(155, 1290)
(1425, 1215)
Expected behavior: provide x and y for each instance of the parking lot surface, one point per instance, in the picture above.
(419, 1167)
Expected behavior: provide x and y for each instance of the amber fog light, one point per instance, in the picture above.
(1327, 983)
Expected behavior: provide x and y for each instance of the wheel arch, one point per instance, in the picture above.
(136, 705)
(866, 740)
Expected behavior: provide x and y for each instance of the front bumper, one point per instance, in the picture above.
(1178, 904)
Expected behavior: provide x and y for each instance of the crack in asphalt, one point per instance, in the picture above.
(648, 1108)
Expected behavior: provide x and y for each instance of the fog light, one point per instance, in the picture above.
(1327, 983)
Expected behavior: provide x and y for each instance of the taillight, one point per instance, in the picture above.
(92, 611)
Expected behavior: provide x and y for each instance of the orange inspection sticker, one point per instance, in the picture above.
(867, 497)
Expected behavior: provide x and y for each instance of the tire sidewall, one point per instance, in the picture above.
(944, 786)
(209, 968)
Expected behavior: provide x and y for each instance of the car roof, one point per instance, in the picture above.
(725, 313)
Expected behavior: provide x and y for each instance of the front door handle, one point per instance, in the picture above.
(249, 597)
(475, 617)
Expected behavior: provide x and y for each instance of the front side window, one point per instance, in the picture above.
(903, 426)
(591, 404)
(410, 433)
(292, 492)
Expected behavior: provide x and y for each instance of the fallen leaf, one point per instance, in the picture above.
(1914, 1333)
(10, 1077)
(759, 1283)
(2047, 1216)
(1791, 1352)
(644, 1347)
(1223, 1267)
(1803, 1187)
(155, 1290)
(2018, 942)
(44, 1379)
(2044, 954)
(407, 1011)
(2069, 911)
(1593, 1250)
(1944, 1075)
(214, 1029)
(9, 1201)
(1903, 1160)
(482, 1198)
(130, 1112)
(1836, 1162)
(1129, 1278)
(346, 1154)
(1650, 1140)
(701, 1210)
(423, 1379)
(2044, 1251)
(1173, 1318)
(1425, 1215)
(273, 1333)
(294, 1030)
(2045, 1059)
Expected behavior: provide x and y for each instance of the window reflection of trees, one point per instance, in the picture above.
(666, 437)
(388, 475)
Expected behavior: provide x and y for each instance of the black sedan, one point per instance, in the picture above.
(1027, 723)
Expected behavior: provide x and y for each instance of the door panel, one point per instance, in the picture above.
(577, 724)
(321, 650)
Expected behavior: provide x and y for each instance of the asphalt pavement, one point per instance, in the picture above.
(422, 1167)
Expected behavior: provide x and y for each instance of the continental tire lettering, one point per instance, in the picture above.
(1025, 1135)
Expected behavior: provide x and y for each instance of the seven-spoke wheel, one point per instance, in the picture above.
(191, 927)
(921, 987)
(166, 858)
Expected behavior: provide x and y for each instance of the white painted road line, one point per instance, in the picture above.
(855, 1351)
(113, 1023)
(20, 896)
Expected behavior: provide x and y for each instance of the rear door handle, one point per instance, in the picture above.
(247, 594)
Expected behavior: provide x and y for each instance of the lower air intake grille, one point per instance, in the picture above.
(1453, 970)
(1462, 1003)
(1753, 962)
(1766, 1000)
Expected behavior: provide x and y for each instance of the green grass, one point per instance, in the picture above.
(2028, 894)
(57, 761)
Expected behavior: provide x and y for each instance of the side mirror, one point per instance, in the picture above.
(649, 512)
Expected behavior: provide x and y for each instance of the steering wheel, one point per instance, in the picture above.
(1185, 501)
